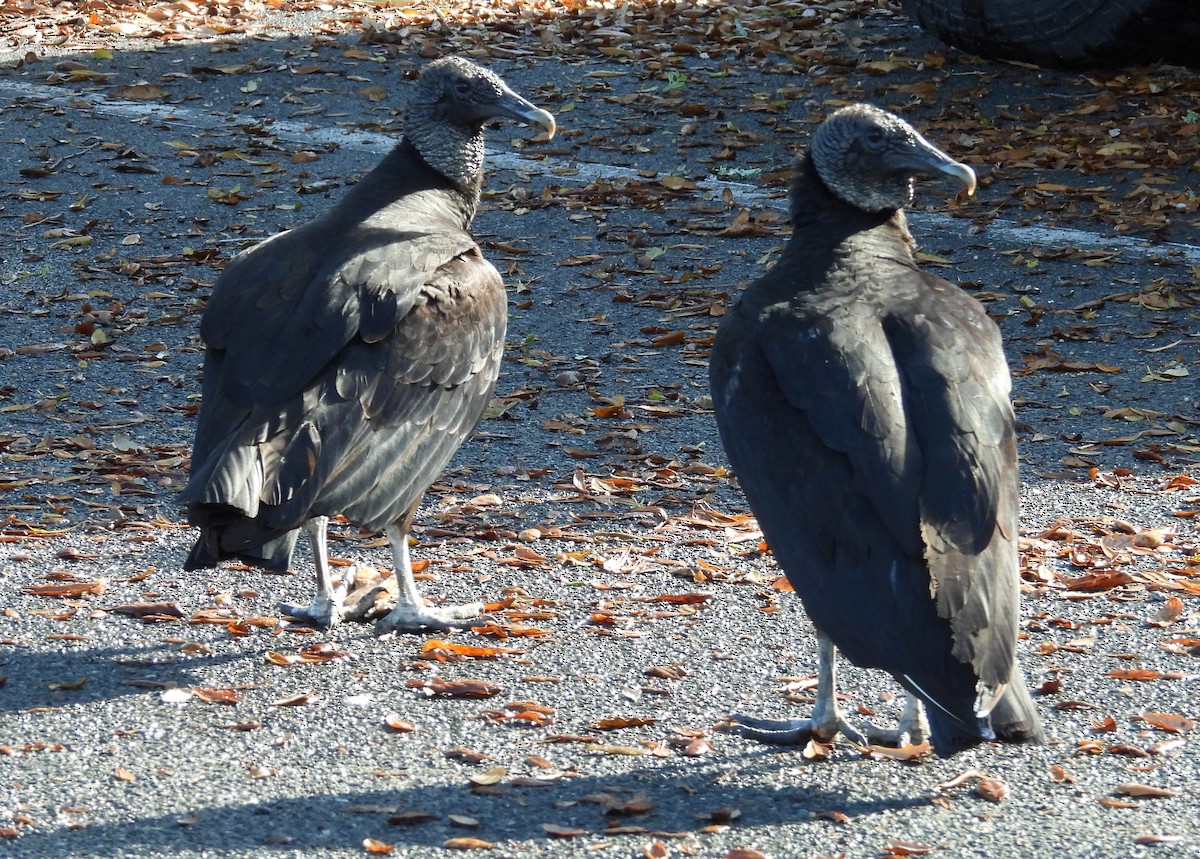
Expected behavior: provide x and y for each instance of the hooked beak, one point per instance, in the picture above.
(517, 108)
(925, 159)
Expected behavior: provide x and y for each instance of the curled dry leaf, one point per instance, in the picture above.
(492, 775)
(615, 724)
(1168, 722)
(374, 845)
(655, 850)
(1059, 775)
(439, 649)
(436, 687)
(815, 750)
(1168, 613)
(71, 589)
(411, 817)
(397, 724)
(217, 696)
(1147, 838)
(1140, 674)
(911, 752)
(961, 779)
(992, 789)
(466, 843)
(300, 700)
(563, 831)
(900, 847)
(1132, 788)
(744, 853)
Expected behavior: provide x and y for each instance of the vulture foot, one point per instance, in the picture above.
(913, 728)
(406, 617)
(794, 732)
(328, 609)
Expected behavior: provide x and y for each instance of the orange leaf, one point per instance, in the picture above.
(374, 845)
(1143, 674)
(1168, 722)
(467, 843)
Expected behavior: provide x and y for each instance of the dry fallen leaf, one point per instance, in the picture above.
(1132, 788)
(466, 843)
(992, 789)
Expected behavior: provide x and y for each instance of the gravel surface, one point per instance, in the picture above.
(594, 497)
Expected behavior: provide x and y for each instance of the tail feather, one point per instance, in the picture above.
(227, 534)
(1015, 718)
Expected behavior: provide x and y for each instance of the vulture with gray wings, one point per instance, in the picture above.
(864, 406)
(347, 359)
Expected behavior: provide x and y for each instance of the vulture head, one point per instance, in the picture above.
(870, 159)
(448, 108)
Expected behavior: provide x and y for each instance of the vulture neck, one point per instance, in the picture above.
(823, 223)
(450, 149)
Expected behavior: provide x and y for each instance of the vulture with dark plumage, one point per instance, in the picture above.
(864, 406)
(347, 359)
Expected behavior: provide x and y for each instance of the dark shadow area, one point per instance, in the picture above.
(508, 816)
(77, 678)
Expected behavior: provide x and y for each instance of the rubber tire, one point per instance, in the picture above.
(1066, 33)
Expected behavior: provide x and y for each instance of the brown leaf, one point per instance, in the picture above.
(1168, 722)
(911, 752)
(617, 723)
(899, 847)
(1148, 838)
(563, 831)
(1168, 613)
(436, 687)
(744, 853)
(296, 700)
(439, 648)
(400, 726)
(1140, 674)
(467, 843)
(216, 696)
(992, 789)
(141, 92)
(1132, 788)
(122, 774)
(492, 775)
(411, 817)
(374, 845)
(1059, 775)
(149, 610)
(73, 589)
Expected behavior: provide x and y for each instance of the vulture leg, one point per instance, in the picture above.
(327, 608)
(827, 721)
(410, 613)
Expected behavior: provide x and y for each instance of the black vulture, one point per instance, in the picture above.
(864, 408)
(348, 359)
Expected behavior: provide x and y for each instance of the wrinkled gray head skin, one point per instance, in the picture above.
(870, 159)
(448, 108)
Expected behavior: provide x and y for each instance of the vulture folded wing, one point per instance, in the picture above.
(957, 383)
(841, 375)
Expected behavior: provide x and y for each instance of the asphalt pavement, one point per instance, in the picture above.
(149, 712)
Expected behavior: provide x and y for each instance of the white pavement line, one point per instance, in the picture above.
(584, 172)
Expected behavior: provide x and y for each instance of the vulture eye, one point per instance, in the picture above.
(462, 88)
(875, 136)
